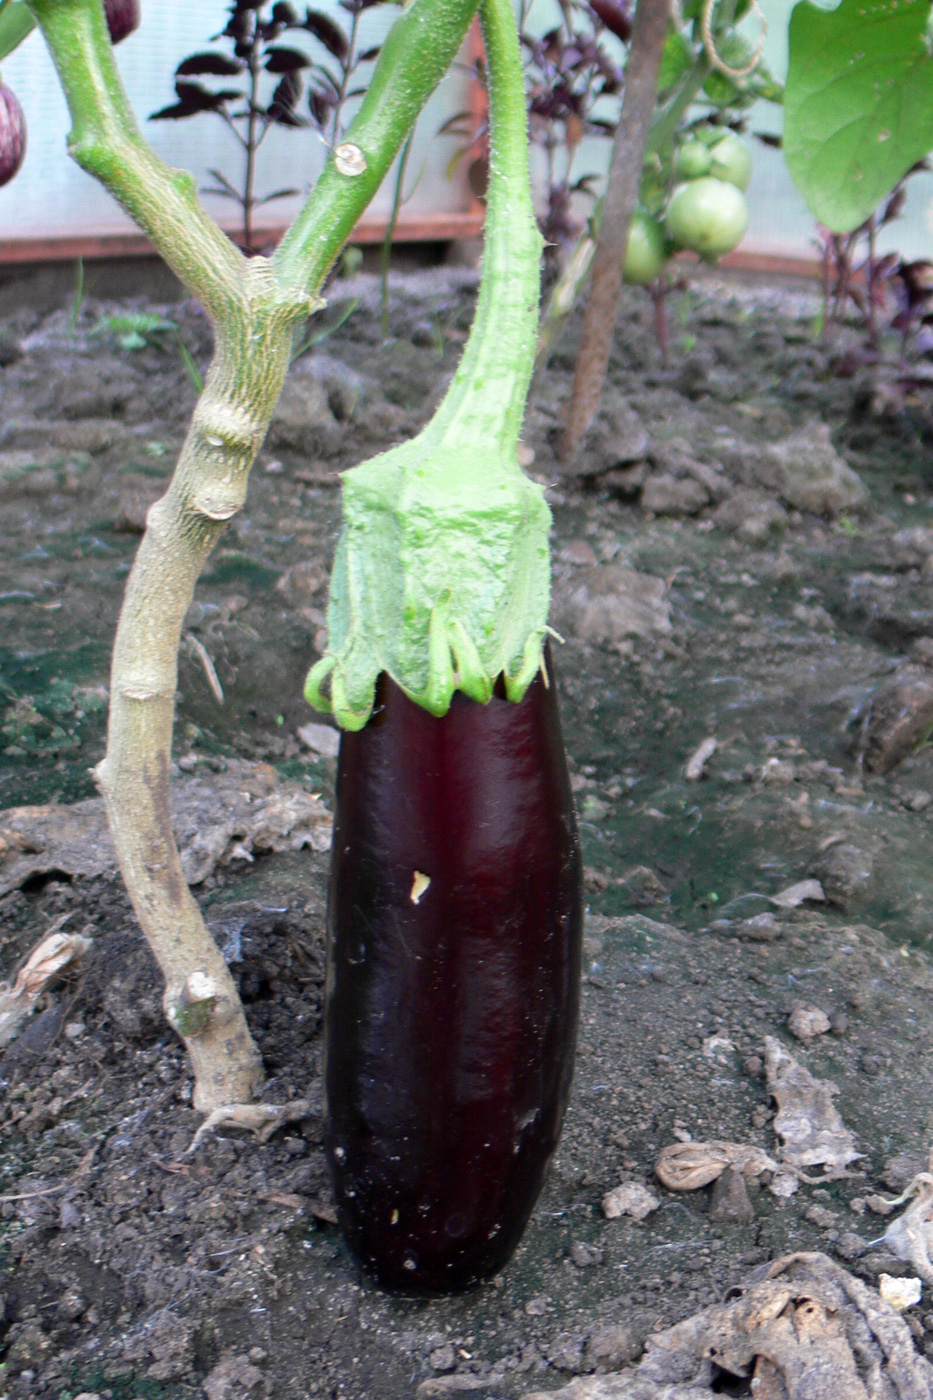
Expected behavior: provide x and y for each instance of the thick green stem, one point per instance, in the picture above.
(441, 577)
(664, 127)
(253, 305)
(486, 400)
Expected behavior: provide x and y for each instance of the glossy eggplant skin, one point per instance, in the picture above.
(455, 921)
(12, 134)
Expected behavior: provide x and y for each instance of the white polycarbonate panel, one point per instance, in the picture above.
(52, 198)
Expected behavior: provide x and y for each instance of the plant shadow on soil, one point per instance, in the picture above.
(131, 1270)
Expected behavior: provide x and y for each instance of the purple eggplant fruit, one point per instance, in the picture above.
(455, 918)
(12, 134)
(122, 18)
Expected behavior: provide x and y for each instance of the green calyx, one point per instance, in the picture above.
(441, 580)
(442, 572)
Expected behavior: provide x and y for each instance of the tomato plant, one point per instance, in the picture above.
(647, 251)
(708, 216)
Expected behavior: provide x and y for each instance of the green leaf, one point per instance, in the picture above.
(859, 103)
(676, 58)
(16, 24)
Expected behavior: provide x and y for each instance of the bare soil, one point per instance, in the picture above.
(727, 609)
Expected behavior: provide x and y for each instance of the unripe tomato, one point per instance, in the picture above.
(122, 18)
(646, 255)
(12, 134)
(731, 160)
(692, 160)
(710, 216)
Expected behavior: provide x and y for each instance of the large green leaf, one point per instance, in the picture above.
(858, 103)
(15, 24)
(676, 57)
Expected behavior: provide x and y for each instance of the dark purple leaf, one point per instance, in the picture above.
(122, 18)
(217, 64)
(282, 107)
(278, 194)
(328, 32)
(284, 14)
(320, 105)
(193, 98)
(617, 18)
(281, 60)
(368, 55)
(330, 80)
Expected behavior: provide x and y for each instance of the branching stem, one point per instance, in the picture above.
(254, 305)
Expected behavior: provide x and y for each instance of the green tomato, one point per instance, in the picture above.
(731, 161)
(710, 216)
(646, 255)
(692, 160)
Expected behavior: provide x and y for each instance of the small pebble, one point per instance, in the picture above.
(585, 1255)
(807, 1022)
(443, 1359)
(629, 1199)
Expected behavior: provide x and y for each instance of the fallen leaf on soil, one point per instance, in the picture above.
(686, 1166)
(910, 1236)
(263, 1119)
(801, 1328)
(796, 895)
(45, 964)
(629, 1199)
(217, 817)
(812, 1132)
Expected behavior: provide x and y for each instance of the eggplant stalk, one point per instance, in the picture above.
(442, 573)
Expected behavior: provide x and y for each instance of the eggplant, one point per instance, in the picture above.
(454, 945)
(12, 134)
(122, 18)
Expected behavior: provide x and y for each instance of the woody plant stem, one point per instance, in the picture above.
(254, 305)
(652, 18)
